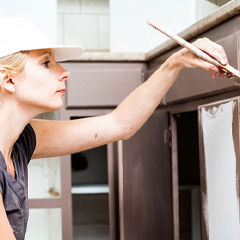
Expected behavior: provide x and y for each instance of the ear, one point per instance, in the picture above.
(7, 82)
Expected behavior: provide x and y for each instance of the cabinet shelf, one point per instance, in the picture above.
(90, 189)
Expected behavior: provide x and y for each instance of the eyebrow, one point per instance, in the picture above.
(47, 52)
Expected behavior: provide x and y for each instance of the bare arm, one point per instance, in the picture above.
(6, 232)
(60, 138)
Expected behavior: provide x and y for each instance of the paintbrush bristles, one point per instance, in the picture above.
(232, 70)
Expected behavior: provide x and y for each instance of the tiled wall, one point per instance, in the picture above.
(87, 22)
(84, 22)
(219, 2)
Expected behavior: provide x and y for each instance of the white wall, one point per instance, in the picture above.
(130, 31)
(84, 22)
(43, 13)
(204, 8)
(102, 25)
(120, 26)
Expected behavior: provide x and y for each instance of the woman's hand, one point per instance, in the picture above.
(187, 59)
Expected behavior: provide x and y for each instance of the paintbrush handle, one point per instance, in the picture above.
(193, 49)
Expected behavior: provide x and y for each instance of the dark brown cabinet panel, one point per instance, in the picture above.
(145, 183)
(194, 83)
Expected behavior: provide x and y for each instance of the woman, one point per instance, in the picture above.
(32, 82)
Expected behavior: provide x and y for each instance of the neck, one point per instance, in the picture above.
(12, 122)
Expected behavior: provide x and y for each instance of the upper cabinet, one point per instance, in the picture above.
(207, 85)
(101, 84)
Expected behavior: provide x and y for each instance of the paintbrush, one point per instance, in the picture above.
(228, 70)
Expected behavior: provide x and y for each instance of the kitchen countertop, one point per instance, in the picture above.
(223, 13)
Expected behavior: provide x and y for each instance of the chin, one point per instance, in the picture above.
(54, 107)
(58, 107)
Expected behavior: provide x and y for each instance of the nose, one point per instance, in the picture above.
(63, 74)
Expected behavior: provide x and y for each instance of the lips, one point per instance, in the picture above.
(62, 91)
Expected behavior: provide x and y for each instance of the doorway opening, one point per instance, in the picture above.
(90, 198)
(188, 176)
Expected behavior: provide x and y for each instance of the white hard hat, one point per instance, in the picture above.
(21, 34)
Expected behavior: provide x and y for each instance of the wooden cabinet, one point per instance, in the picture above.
(157, 179)
(139, 169)
(101, 85)
(202, 203)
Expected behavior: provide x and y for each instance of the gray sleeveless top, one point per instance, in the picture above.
(15, 190)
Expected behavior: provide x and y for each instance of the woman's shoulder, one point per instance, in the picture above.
(3, 180)
(27, 141)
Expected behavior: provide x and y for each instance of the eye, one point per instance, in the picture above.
(46, 63)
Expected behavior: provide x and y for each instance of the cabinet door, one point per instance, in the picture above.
(145, 182)
(219, 166)
(101, 84)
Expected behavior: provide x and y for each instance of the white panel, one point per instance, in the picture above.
(44, 178)
(221, 206)
(90, 189)
(104, 34)
(69, 6)
(44, 224)
(81, 30)
(95, 6)
(44, 175)
(85, 22)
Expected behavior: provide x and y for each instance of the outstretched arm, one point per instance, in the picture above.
(141, 103)
(65, 137)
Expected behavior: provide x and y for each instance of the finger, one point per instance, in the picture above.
(217, 51)
(229, 75)
(208, 66)
(213, 74)
(190, 60)
(213, 49)
(221, 75)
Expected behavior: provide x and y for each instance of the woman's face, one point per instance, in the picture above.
(41, 85)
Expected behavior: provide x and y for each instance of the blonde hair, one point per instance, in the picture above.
(14, 63)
